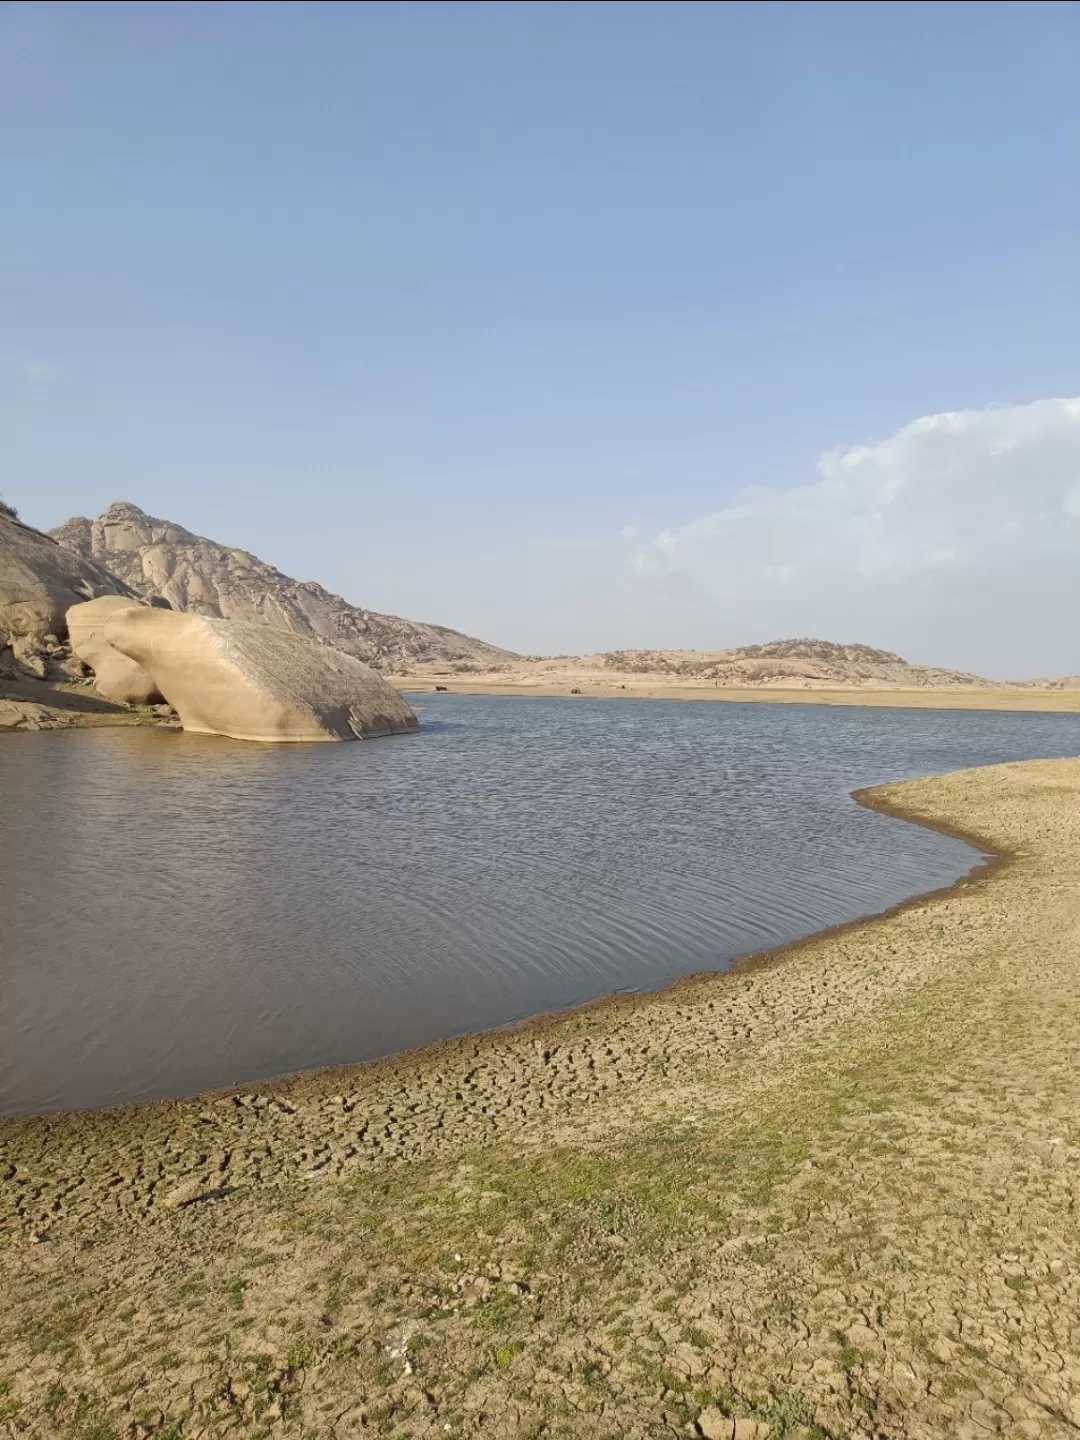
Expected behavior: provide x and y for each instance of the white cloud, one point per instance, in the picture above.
(955, 540)
(1072, 502)
(33, 371)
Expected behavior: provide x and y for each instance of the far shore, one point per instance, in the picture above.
(1004, 698)
(831, 1194)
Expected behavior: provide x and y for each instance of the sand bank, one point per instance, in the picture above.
(836, 1192)
(1005, 698)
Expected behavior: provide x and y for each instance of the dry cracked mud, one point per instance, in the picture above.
(834, 1195)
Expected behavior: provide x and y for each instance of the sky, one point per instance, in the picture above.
(574, 326)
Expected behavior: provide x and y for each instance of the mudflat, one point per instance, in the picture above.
(833, 1194)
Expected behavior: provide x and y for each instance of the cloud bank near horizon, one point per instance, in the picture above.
(954, 541)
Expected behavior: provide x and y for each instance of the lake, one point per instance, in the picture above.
(180, 913)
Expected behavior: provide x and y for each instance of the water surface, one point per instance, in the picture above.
(181, 912)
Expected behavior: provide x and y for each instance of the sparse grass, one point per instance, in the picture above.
(495, 1312)
(782, 1413)
(503, 1355)
(234, 1291)
(89, 1423)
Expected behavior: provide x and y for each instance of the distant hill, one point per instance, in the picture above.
(160, 558)
(789, 662)
(125, 549)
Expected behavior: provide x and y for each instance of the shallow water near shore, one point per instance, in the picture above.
(182, 913)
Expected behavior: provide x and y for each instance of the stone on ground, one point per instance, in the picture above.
(253, 682)
(714, 1424)
(116, 676)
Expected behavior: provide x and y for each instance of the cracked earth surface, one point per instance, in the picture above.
(834, 1195)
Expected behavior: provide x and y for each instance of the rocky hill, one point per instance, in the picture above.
(159, 558)
(39, 580)
(790, 662)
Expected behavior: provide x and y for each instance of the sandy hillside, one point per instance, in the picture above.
(779, 665)
(785, 671)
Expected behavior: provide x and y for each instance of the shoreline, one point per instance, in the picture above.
(22, 709)
(29, 705)
(547, 1023)
(1054, 701)
(838, 1105)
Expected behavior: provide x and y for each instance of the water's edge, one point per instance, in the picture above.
(991, 861)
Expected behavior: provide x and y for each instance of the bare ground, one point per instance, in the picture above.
(641, 687)
(835, 1194)
(30, 704)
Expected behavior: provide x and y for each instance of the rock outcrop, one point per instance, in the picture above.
(197, 575)
(116, 676)
(39, 582)
(254, 682)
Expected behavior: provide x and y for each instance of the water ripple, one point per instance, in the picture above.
(180, 912)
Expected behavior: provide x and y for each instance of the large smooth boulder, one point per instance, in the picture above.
(252, 682)
(116, 676)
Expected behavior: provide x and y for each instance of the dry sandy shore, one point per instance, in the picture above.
(833, 1195)
(640, 688)
(40, 705)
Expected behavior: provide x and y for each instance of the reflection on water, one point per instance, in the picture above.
(181, 912)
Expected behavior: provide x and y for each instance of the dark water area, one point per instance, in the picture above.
(181, 913)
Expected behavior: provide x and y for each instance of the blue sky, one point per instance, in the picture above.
(475, 312)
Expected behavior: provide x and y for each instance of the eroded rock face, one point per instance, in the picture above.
(116, 676)
(39, 582)
(252, 682)
(197, 575)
